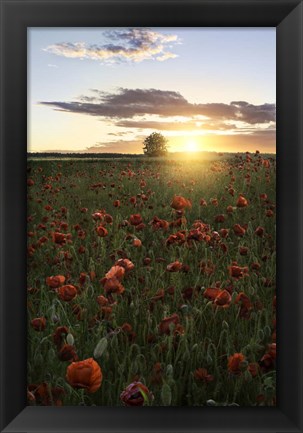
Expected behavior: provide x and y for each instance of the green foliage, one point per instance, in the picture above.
(155, 145)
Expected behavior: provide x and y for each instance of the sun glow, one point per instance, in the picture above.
(191, 146)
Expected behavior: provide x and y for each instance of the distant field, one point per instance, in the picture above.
(160, 273)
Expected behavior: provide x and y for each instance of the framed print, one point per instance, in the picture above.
(151, 216)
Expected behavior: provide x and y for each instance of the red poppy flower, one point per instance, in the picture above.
(239, 230)
(268, 361)
(253, 368)
(135, 219)
(55, 281)
(179, 330)
(159, 296)
(168, 323)
(136, 243)
(174, 267)
(246, 305)
(116, 271)
(224, 233)
(242, 202)
(260, 231)
(211, 293)
(263, 196)
(81, 234)
(112, 285)
(101, 231)
(140, 227)
(224, 247)
(59, 334)
(255, 266)
(31, 250)
(223, 299)
(59, 238)
(180, 203)
(45, 395)
(201, 375)
(136, 394)
(39, 323)
(97, 215)
(238, 271)
(83, 278)
(67, 293)
(243, 251)
(85, 374)
(106, 312)
(108, 218)
(102, 300)
(126, 327)
(220, 219)
(67, 353)
(126, 264)
(42, 240)
(158, 223)
(235, 363)
(147, 261)
(269, 213)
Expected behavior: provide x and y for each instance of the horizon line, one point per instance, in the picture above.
(142, 154)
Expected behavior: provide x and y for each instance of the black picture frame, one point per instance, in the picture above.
(16, 17)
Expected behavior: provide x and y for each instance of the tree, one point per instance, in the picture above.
(155, 145)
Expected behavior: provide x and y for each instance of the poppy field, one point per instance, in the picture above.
(152, 281)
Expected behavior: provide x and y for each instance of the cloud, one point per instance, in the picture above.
(255, 114)
(132, 45)
(127, 104)
(120, 146)
(175, 126)
(118, 134)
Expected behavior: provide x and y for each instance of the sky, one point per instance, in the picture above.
(106, 89)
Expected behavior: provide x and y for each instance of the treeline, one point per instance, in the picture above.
(82, 155)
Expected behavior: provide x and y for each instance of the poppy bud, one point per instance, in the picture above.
(137, 243)
(166, 395)
(100, 348)
(211, 403)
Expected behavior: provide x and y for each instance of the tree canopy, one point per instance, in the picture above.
(155, 145)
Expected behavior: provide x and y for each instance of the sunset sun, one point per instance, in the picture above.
(191, 146)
